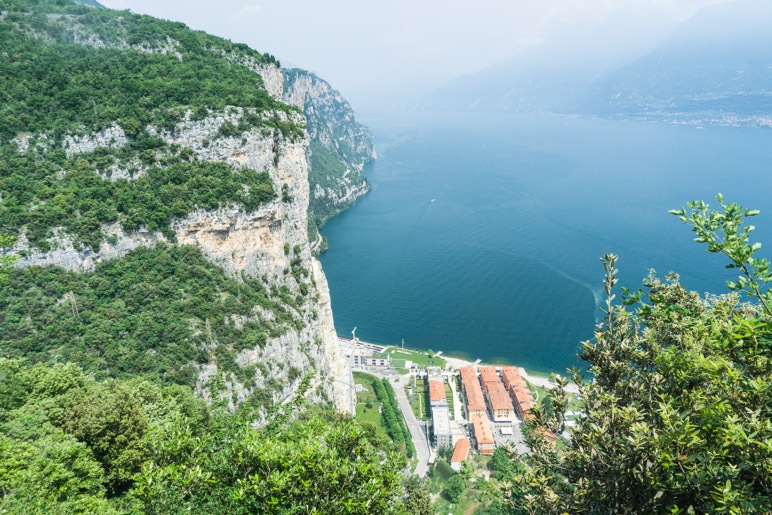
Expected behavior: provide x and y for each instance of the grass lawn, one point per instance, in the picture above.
(449, 396)
(419, 358)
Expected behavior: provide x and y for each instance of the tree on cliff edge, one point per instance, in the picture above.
(679, 415)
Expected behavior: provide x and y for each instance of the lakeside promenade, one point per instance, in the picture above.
(457, 363)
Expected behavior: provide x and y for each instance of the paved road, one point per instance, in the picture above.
(422, 449)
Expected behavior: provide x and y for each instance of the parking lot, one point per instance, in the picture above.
(515, 440)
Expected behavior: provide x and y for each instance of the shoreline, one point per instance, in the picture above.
(537, 379)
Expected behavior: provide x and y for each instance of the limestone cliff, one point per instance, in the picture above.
(251, 243)
(269, 243)
(340, 147)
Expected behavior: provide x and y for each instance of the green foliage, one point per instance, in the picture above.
(445, 452)
(42, 194)
(392, 416)
(417, 498)
(724, 231)
(502, 463)
(454, 487)
(152, 313)
(7, 261)
(68, 441)
(678, 418)
(52, 85)
(316, 465)
(53, 474)
(72, 444)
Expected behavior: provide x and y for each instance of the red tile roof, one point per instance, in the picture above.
(482, 430)
(518, 389)
(474, 397)
(461, 451)
(511, 375)
(523, 398)
(498, 396)
(467, 373)
(488, 374)
(436, 390)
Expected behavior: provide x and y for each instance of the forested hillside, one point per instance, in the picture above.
(93, 150)
(340, 148)
(165, 303)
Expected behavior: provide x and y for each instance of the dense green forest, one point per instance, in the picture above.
(73, 444)
(40, 198)
(154, 313)
(51, 84)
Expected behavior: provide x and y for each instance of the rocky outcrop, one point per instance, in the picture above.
(252, 243)
(331, 121)
(112, 137)
(340, 146)
(269, 243)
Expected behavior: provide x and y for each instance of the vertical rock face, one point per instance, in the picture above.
(251, 243)
(317, 171)
(331, 121)
(340, 146)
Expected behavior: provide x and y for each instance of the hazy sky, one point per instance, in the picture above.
(371, 48)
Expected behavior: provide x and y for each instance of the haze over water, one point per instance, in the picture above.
(482, 234)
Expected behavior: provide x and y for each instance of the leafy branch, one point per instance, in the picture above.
(724, 231)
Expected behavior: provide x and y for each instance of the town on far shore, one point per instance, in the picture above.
(450, 403)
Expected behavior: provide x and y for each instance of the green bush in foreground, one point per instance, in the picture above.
(679, 415)
(72, 444)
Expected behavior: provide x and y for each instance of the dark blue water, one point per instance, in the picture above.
(482, 233)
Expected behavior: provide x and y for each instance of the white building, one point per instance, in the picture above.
(443, 436)
(362, 358)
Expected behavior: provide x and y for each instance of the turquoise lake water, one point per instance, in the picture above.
(482, 234)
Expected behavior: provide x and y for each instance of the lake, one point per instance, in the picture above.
(482, 234)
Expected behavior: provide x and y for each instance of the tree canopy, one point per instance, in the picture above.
(72, 444)
(678, 413)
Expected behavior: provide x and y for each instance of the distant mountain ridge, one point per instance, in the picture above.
(714, 68)
(717, 67)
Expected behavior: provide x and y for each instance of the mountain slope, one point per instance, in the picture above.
(716, 66)
(556, 73)
(340, 148)
(125, 139)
